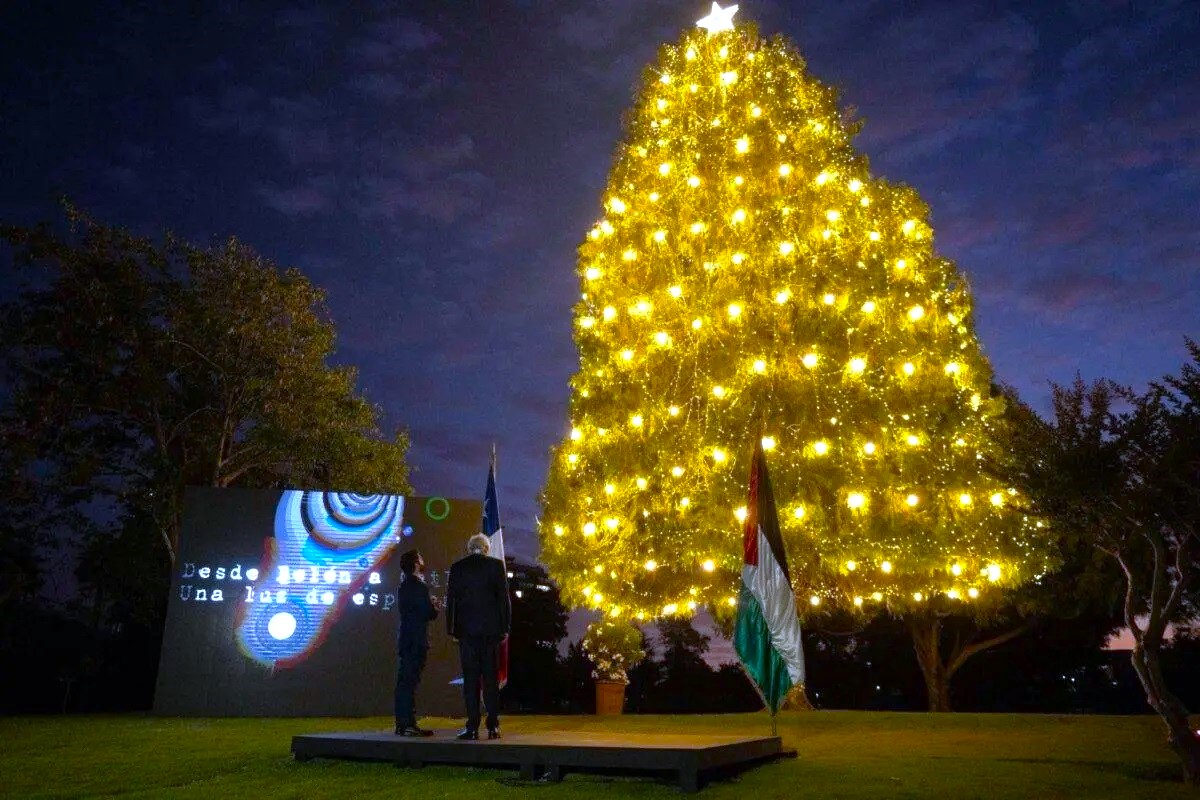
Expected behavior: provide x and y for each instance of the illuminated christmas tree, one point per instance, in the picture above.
(751, 278)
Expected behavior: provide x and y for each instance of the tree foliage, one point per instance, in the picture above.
(1120, 471)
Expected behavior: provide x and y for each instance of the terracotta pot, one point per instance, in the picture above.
(610, 698)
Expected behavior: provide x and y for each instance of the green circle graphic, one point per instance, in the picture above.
(445, 509)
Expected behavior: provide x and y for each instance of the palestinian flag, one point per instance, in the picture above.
(767, 632)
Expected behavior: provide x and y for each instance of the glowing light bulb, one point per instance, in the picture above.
(729, 77)
(589, 529)
(559, 530)
(662, 104)
(654, 197)
(684, 502)
(611, 523)
(824, 178)
(858, 601)
(820, 447)
(651, 565)
(665, 78)
(617, 205)
(768, 442)
(673, 411)
(718, 391)
(912, 499)
(856, 500)
(809, 360)
(662, 338)
(693, 181)
(964, 499)
(629, 255)
(868, 307)
(636, 420)
(755, 112)
(734, 310)
(742, 145)
(782, 296)
(572, 458)
(918, 596)
(660, 236)
(738, 258)
(869, 448)
(851, 566)
(857, 365)
(739, 215)
(799, 512)
(952, 594)
(908, 368)
(785, 170)
(956, 569)
(675, 291)
(915, 313)
(709, 565)
(592, 273)
(664, 168)
(740, 513)
(913, 440)
(877, 596)
(610, 488)
(855, 185)
(786, 248)
(814, 600)
(829, 298)
(670, 608)
(886, 567)
(586, 322)
(627, 355)
(997, 499)
(873, 236)
(953, 368)
(718, 455)
(909, 226)
(677, 471)
(643, 307)
(759, 366)
(832, 215)
(738, 180)
(697, 228)
(690, 55)
(610, 313)
(576, 434)
(641, 483)
(972, 593)
(901, 263)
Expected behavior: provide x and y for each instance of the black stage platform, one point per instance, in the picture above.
(690, 758)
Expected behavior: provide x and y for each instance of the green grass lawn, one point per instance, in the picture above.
(842, 755)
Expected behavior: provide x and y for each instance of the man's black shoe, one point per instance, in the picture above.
(414, 730)
(467, 734)
(493, 733)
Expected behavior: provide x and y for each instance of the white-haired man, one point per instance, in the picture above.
(478, 617)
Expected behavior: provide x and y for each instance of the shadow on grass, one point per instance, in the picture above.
(1137, 770)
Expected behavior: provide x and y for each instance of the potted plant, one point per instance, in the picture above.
(615, 648)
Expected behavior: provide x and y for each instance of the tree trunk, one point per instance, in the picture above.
(938, 669)
(1180, 736)
(926, 631)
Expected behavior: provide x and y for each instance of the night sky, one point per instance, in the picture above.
(434, 165)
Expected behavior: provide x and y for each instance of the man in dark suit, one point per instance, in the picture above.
(478, 616)
(417, 610)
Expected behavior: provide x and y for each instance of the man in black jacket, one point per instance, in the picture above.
(417, 610)
(478, 616)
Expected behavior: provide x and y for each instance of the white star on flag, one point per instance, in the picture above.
(721, 19)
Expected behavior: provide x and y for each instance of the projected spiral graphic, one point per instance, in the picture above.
(326, 546)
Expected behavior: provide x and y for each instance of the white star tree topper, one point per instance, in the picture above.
(720, 19)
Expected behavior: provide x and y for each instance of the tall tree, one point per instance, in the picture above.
(750, 277)
(1121, 471)
(539, 623)
(138, 368)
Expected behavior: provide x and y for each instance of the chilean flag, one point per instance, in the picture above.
(767, 631)
(491, 528)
